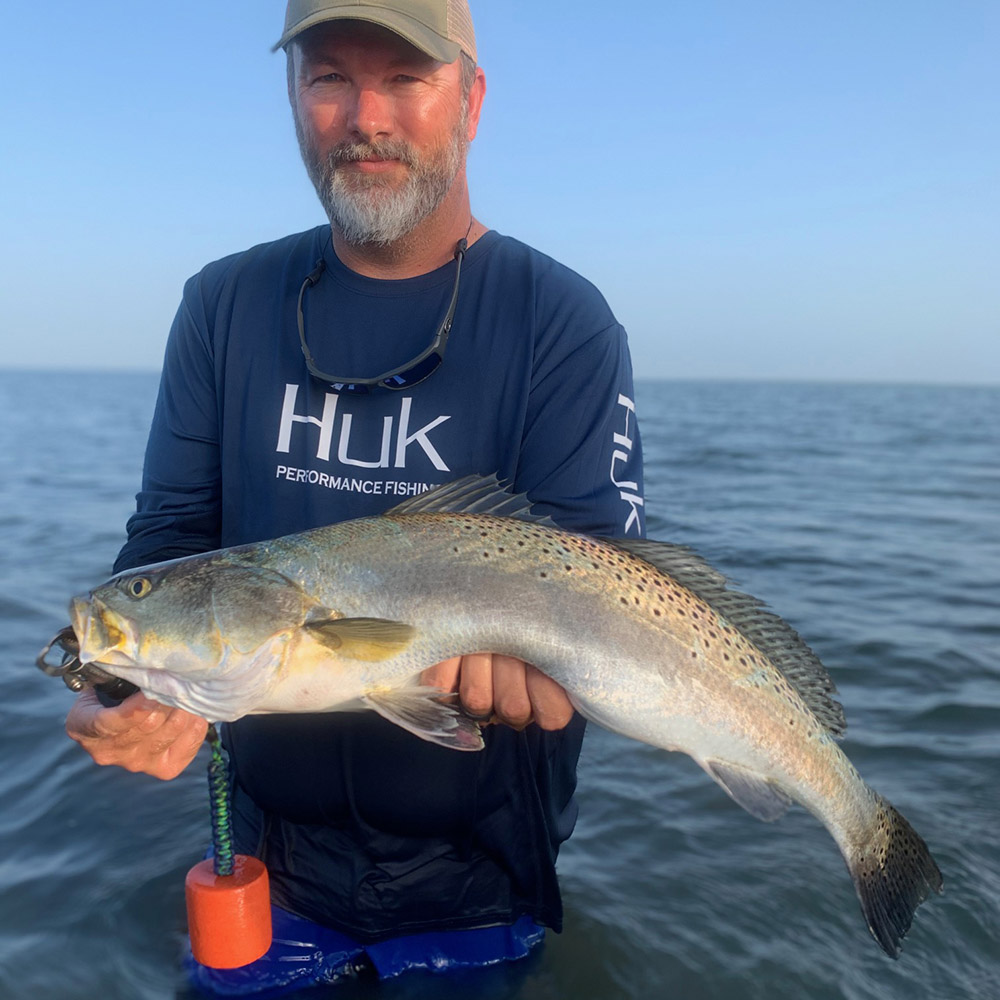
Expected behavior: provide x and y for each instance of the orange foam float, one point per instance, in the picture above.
(229, 916)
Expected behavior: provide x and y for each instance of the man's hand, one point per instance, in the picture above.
(503, 689)
(139, 734)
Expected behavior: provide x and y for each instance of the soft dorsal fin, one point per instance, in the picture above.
(472, 495)
(772, 635)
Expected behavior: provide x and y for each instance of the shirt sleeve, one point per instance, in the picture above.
(581, 456)
(178, 507)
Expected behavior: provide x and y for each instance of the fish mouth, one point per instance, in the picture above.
(103, 636)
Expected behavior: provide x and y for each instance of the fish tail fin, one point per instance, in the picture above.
(893, 873)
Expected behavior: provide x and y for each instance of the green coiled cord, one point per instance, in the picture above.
(218, 791)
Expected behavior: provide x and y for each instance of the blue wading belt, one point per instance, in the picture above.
(306, 954)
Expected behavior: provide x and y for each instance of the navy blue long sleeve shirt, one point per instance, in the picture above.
(364, 827)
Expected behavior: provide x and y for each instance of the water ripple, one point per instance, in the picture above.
(866, 515)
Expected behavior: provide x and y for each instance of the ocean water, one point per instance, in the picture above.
(868, 516)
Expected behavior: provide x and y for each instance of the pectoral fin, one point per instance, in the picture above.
(421, 711)
(758, 796)
(363, 638)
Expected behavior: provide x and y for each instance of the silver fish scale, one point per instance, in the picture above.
(662, 582)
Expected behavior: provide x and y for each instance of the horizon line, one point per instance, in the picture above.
(16, 369)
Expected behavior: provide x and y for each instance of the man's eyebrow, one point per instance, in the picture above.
(314, 58)
(404, 61)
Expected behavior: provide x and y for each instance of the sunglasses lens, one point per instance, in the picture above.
(420, 371)
(351, 388)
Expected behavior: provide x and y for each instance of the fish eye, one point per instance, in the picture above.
(138, 586)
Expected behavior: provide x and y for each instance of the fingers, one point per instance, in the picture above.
(471, 676)
(443, 675)
(503, 689)
(511, 702)
(475, 685)
(550, 704)
(89, 719)
(177, 742)
(138, 735)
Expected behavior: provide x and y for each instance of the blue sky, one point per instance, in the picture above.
(761, 190)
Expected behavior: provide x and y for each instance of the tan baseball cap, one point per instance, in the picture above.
(441, 28)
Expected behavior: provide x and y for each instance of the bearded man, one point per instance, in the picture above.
(327, 376)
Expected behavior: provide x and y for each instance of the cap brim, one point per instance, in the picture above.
(417, 34)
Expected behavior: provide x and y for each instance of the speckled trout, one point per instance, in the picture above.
(646, 638)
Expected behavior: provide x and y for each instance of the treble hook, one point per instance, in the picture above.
(67, 641)
(78, 676)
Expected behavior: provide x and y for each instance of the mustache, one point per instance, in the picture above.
(386, 149)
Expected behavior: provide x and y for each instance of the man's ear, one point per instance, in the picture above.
(476, 94)
(290, 72)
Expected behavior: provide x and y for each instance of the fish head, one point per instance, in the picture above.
(176, 628)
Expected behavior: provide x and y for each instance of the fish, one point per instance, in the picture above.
(647, 638)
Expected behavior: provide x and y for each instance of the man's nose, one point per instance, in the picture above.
(371, 114)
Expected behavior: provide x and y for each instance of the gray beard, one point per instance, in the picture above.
(368, 210)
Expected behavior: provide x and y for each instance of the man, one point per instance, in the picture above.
(306, 382)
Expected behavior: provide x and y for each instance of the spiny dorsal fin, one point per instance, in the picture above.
(472, 495)
(772, 635)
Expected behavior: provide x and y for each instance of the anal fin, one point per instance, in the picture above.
(421, 711)
(757, 795)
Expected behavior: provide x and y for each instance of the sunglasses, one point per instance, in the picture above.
(411, 373)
